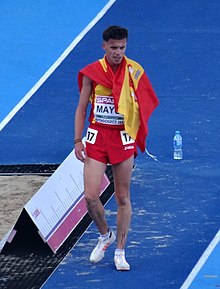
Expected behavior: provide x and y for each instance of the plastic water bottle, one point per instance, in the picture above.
(177, 146)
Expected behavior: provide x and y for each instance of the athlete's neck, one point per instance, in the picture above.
(114, 66)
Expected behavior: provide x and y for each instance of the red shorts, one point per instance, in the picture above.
(109, 145)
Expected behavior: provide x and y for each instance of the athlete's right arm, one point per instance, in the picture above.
(80, 116)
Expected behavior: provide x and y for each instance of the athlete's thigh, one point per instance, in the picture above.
(122, 175)
(93, 174)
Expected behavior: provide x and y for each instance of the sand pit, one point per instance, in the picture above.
(15, 192)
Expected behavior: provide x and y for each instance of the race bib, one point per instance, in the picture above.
(104, 111)
(125, 138)
(91, 135)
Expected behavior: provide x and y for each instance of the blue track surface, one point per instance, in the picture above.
(175, 204)
(35, 34)
(206, 272)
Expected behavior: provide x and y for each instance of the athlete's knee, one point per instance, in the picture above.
(91, 202)
(123, 201)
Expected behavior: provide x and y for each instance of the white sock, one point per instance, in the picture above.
(119, 252)
(107, 235)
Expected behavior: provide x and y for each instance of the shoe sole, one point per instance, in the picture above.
(122, 269)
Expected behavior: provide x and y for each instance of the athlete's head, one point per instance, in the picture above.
(115, 32)
(114, 44)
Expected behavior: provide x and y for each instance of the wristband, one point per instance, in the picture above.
(77, 140)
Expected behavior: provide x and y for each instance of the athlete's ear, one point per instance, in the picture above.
(104, 45)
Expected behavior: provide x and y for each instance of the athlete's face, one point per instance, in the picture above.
(115, 50)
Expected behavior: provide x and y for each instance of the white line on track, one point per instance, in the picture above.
(201, 261)
(55, 65)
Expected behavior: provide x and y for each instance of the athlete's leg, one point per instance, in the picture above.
(93, 174)
(122, 178)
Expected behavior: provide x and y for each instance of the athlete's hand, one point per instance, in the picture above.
(80, 151)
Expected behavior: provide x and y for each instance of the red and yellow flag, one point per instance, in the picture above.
(133, 94)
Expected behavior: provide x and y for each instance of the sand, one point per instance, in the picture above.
(15, 192)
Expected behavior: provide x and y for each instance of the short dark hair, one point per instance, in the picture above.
(115, 32)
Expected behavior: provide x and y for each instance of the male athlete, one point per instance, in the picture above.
(122, 100)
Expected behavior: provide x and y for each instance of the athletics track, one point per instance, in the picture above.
(174, 238)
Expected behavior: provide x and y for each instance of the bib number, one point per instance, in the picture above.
(125, 138)
(91, 135)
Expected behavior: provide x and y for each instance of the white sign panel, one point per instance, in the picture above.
(59, 205)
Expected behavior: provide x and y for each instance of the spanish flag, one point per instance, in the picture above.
(133, 94)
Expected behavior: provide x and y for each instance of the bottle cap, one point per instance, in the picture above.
(177, 132)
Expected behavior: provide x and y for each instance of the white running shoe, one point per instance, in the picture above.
(99, 251)
(120, 262)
